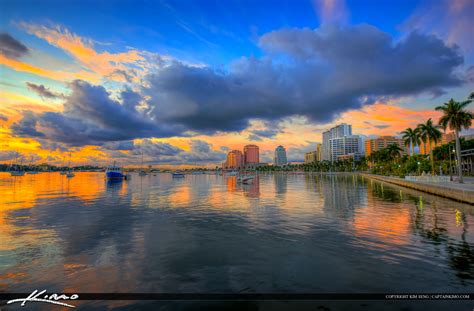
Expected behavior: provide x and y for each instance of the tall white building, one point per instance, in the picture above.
(346, 145)
(280, 156)
(339, 141)
(338, 131)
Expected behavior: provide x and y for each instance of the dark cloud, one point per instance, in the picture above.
(314, 73)
(92, 117)
(119, 145)
(156, 149)
(43, 91)
(3, 117)
(10, 47)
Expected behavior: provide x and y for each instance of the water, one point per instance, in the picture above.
(206, 233)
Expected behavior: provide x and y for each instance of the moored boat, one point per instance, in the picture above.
(177, 174)
(114, 172)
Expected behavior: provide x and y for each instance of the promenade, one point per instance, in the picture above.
(452, 190)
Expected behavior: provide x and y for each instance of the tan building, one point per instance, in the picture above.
(445, 138)
(375, 144)
(313, 156)
(235, 159)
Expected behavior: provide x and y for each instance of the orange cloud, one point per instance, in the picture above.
(104, 64)
(51, 74)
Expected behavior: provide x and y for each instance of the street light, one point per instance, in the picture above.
(418, 167)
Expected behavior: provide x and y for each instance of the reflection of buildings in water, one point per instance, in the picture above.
(342, 194)
(252, 190)
(281, 182)
(231, 182)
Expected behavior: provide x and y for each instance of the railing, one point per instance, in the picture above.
(428, 178)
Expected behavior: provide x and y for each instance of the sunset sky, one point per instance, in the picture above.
(183, 82)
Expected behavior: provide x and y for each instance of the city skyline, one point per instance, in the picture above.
(183, 90)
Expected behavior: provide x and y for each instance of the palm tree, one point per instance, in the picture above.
(456, 118)
(411, 138)
(393, 151)
(431, 134)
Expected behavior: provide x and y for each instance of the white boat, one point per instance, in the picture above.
(70, 174)
(231, 173)
(245, 179)
(142, 173)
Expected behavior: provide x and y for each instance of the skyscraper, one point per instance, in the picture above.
(251, 154)
(235, 159)
(280, 156)
(338, 131)
(346, 145)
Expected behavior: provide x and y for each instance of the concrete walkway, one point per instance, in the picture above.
(452, 190)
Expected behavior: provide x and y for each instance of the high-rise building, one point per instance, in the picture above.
(345, 145)
(251, 154)
(235, 159)
(338, 131)
(280, 156)
(313, 156)
(445, 138)
(381, 142)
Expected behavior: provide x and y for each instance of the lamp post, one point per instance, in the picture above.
(418, 167)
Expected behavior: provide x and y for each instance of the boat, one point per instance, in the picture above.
(142, 171)
(245, 179)
(63, 173)
(114, 172)
(15, 170)
(231, 173)
(177, 174)
(69, 173)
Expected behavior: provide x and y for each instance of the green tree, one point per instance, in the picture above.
(456, 118)
(393, 151)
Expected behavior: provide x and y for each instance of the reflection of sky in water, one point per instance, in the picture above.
(209, 233)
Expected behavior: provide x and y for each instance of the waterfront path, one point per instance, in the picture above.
(452, 190)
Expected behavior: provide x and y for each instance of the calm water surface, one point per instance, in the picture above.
(206, 233)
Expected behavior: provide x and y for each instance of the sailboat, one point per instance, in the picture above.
(15, 169)
(70, 172)
(63, 172)
(142, 171)
(31, 171)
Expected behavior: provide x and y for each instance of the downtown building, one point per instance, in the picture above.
(280, 156)
(376, 144)
(313, 156)
(249, 159)
(339, 144)
(445, 138)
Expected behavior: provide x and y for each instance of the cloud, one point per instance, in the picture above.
(43, 91)
(92, 117)
(451, 20)
(3, 117)
(314, 73)
(10, 47)
(331, 11)
(155, 149)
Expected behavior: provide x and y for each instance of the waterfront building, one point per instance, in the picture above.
(338, 131)
(313, 156)
(310, 157)
(345, 145)
(445, 138)
(235, 159)
(251, 155)
(280, 156)
(375, 144)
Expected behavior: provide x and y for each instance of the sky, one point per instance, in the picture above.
(184, 82)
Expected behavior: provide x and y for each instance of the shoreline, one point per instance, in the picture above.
(453, 192)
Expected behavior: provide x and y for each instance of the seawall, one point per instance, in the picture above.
(459, 192)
